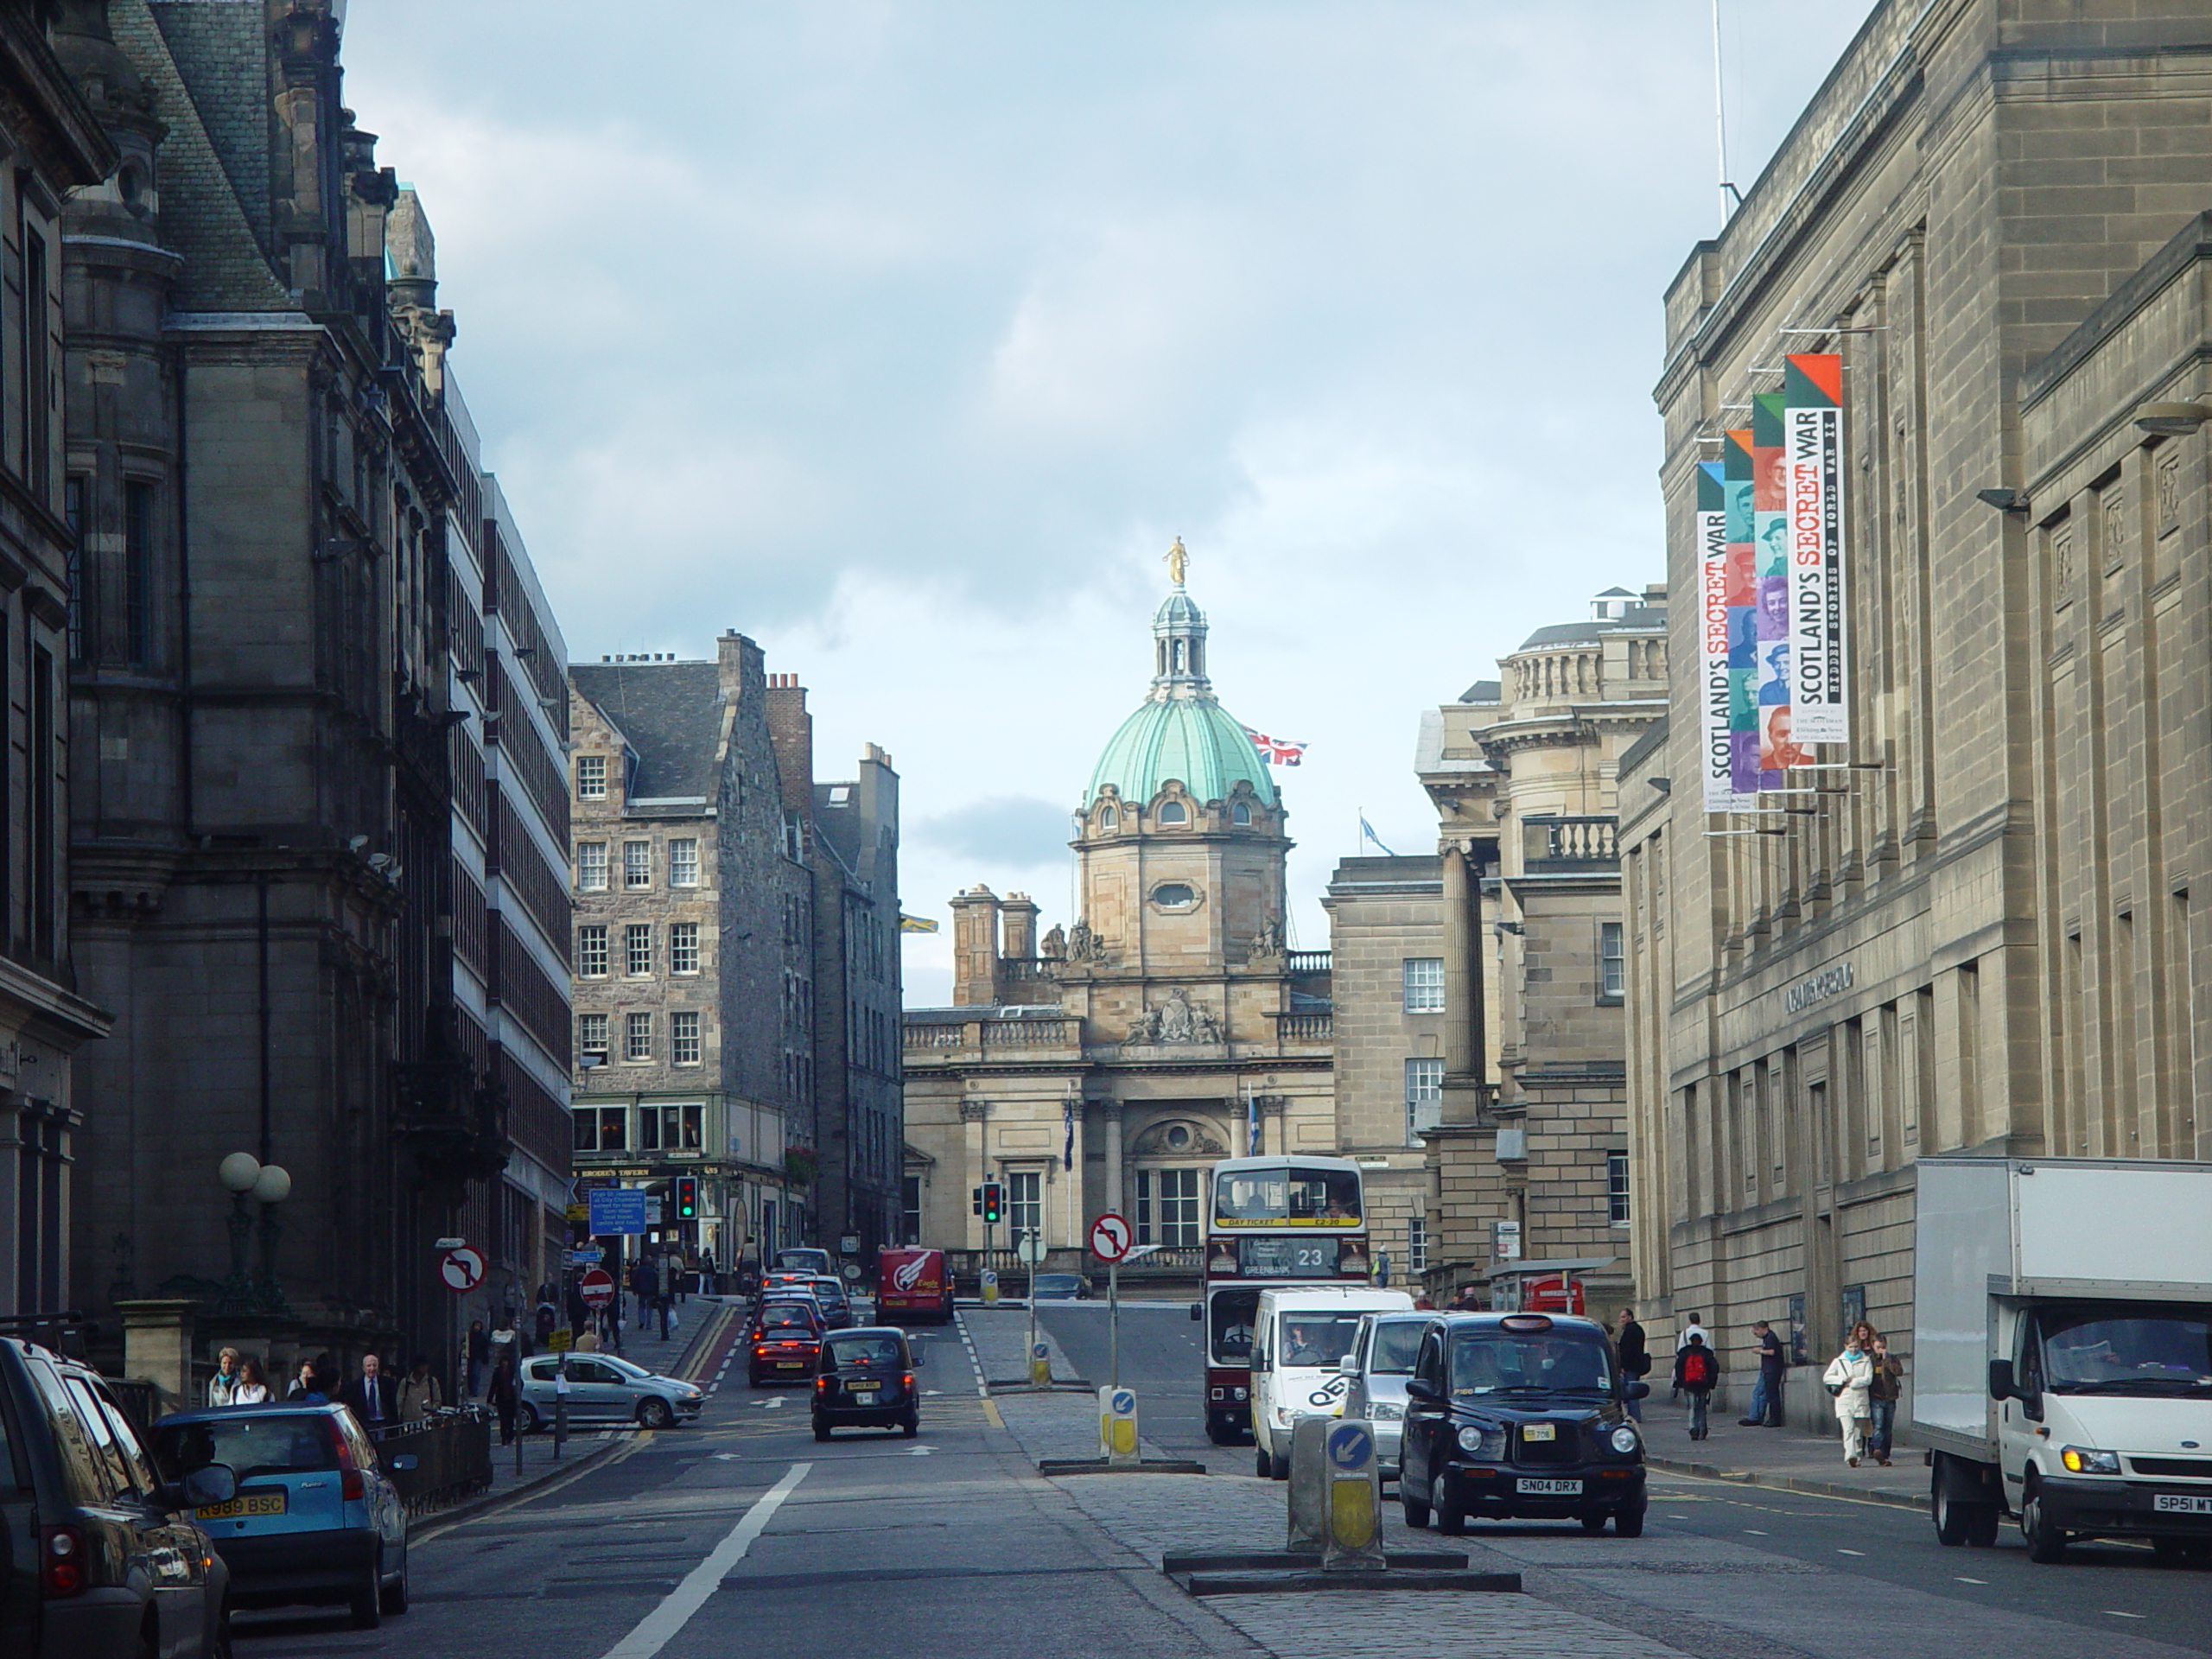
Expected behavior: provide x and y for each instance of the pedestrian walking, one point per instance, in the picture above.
(664, 1289)
(251, 1389)
(1696, 1372)
(476, 1354)
(1850, 1378)
(500, 1395)
(579, 1310)
(1635, 1354)
(1691, 1327)
(370, 1397)
(1882, 1399)
(418, 1392)
(307, 1385)
(225, 1382)
(1766, 1393)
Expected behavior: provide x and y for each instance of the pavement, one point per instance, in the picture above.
(1786, 1459)
(742, 1534)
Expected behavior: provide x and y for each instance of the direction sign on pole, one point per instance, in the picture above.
(598, 1287)
(1110, 1238)
(617, 1209)
(462, 1269)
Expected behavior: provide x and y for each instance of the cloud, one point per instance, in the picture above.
(904, 336)
(1006, 832)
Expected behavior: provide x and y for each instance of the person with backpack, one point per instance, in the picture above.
(1696, 1373)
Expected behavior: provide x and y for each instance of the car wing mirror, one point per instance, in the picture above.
(211, 1484)
(2001, 1383)
(1418, 1389)
(1347, 1366)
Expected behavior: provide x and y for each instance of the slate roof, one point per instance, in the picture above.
(671, 714)
(1638, 619)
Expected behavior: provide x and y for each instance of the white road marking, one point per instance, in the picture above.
(1973, 1581)
(1755, 1532)
(1861, 1552)
(655, 1630)
(2114, 1613)
(726, 1457)
(921, 1451)
(776, 1402)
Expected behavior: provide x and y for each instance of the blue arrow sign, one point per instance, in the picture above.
(1351, 1448)
(1125, 1402)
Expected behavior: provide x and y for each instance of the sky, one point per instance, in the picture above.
(906, 336)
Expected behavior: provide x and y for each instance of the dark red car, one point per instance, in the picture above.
(786, 1338)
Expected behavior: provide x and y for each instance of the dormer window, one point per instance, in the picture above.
(1241, 813)
(1108, 818)
(1173, 812)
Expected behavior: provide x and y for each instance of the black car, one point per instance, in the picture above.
(99, 1554)
(1520, 1414)
(867, 1380)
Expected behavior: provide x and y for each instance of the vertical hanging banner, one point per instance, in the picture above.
(1713, 726)
(1741, 584)
(1771, 682)
(1812, 397)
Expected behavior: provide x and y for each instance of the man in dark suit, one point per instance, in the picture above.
(370, 1397)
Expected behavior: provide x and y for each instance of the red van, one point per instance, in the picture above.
(913, 1282)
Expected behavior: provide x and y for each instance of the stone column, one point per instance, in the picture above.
(157, 1348)
(975, 1136)
(1465, 1036)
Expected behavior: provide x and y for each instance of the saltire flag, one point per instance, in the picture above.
(1740, 596)
(1275, 750)
(1812, 436)
(1720, 787)
(1067, 1147)
(1251, 1122)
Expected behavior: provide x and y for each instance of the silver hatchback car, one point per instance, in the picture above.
(1381, 1360)
(604, 1388)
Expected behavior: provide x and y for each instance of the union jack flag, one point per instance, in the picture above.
(1275, 750)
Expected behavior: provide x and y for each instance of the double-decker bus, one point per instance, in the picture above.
(1269, 1221)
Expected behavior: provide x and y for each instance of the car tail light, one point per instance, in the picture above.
(907, 1382)
(822, 1385)
(351, 1487)
(62, 1561)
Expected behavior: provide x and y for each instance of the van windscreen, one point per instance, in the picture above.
(1316, 1338)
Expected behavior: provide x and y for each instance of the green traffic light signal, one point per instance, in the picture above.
(992, 1200)
(687, 1197)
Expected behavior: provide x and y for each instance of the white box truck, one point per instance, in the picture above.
(2062, 1350)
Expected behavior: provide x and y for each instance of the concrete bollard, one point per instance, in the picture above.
(1354, 1482)
(1117, 1425)
(1309, 1514)
(1040, 1366)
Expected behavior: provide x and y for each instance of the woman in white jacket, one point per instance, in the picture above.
(1850, 1378)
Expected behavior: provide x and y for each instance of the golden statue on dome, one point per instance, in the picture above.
(1177, 563)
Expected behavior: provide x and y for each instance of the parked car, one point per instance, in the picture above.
(866, 1380)
(605, 1388)
(315, 1518)
(786, 1343)
(1520, 1414)
(805, 1260)
(837, 1301)
(1381, 1360)
(105, 1556)
(1060, 1288)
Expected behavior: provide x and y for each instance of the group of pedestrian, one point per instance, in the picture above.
(1864, 1380)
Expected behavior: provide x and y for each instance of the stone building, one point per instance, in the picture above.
(57, 144)
(1106, 1065)
(304, 842)
(1978, 934)
(1534, 1164)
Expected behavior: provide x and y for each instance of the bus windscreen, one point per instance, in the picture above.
(1288, 1197)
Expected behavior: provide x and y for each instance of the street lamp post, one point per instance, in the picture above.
(271, 1187)
(244, 1176)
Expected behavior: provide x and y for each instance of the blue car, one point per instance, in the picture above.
(315, 1519)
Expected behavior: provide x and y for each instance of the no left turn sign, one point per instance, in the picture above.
(462, 1269)
(1110, 1238)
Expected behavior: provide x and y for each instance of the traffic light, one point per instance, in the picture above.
(687, 1197)
(976, 1199)
(994, 1199)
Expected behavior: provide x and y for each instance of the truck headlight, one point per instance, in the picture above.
(1385, 1411)
(1624, 1439)
(2082, 1461)
(1486, 1445)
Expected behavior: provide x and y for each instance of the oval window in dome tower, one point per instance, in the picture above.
(1174, 895)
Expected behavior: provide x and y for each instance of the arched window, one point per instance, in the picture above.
(1179, 656)
(1109, 819)
(1173, 812)
(1240, 813)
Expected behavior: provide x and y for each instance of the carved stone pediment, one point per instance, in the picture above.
(1178, 1137)
(1177, 1021)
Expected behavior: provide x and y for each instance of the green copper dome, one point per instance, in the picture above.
(1193, 739)
(1180, 732)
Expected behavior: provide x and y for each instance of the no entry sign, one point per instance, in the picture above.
(1110, 1238)
(598, 1287)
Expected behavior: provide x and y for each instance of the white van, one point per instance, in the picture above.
(1300, 1338)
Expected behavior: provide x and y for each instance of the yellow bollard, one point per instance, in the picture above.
(1040, 1366)
(1355, 1499)
(990, 1288)
(1117, 1425)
